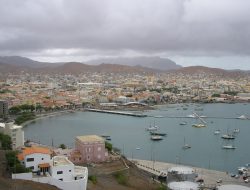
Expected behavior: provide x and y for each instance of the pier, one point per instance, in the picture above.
(116, 112)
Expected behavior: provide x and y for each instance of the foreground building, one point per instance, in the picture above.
(58, 171)
(15, 132)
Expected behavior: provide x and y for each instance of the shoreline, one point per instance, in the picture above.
(45, 116)
(210, 176)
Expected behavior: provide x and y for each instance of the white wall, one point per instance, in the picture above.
(38, 159)
(80, 184)
(68, 172)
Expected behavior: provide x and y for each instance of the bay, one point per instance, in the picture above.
(129, 134)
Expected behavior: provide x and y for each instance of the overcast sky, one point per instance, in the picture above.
(191, 32)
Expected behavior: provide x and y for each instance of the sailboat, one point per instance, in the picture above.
(185, 145)
(228, 146)
(152, 128)
(199, 125)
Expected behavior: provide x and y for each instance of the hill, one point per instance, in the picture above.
(157, 63)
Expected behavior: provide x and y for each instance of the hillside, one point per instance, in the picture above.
(157, 63)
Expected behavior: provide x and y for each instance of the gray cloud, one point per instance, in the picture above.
(171, 27)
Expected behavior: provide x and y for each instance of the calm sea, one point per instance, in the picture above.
(129, 134)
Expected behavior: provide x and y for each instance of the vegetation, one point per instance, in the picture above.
(216, 95)
(108, 146)
(5, 141)
(24, 117)
(162, 187)
(93, 179)
(3, 91)
(62, 146)
(21, 108)
(121, 178)
(232, 93)
(13, 164)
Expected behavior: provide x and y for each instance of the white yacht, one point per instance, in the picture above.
(229, 146)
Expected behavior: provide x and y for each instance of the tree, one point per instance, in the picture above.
(62, 146)
(5, 141)
(108, 146)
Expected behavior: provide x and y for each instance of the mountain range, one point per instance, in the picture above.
(16, 64)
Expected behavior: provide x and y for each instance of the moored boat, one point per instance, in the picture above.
(228, 136)
(217, 132)
(200, 125)
(229, 146)
(156, 137)
(158, 133)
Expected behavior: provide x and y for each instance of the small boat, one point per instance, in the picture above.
(152, 128)
(236, 130)
(242, 117)
(184, 108)
(217, 132)
(106, 137)
(138, 148)
(191, 116)
(183, 123)
(186, 146)
(158, 133)
(158, 116)
(156, 137)
(200, 125)
(229, 146)
(228, 136)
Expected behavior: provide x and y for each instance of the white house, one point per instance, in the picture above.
(58, 171)
(35, 158)
(15, 132)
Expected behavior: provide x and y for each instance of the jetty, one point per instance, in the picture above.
(116, 112)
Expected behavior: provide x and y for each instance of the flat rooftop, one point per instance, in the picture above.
(90, 138)
(60, 160)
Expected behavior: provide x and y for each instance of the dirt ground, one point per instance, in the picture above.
(137, 179)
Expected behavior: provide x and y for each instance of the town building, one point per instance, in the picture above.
(3, 108)
(15, 132)
(89, 149)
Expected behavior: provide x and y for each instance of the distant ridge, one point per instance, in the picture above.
(158, 63)
(192, 70)
(17, 64)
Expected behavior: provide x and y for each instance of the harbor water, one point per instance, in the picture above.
(130, 136)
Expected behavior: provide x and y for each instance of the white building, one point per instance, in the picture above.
(58, 171)
(15, 132)
(183, 185)
(34, 157)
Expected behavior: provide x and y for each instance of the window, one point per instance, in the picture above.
(59, 172)
(42, 158)
(61, 179)
(69, 170)
(30, 159)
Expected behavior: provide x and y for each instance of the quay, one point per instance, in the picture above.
(116, 112)
(210, 177)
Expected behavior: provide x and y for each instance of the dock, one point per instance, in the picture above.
(210, 176)
(116, 112)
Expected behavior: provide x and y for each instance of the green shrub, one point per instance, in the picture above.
(5, 141)
(108, 146)
(93, 179)
(121, 178)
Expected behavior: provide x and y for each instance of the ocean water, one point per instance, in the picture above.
(129, 134)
